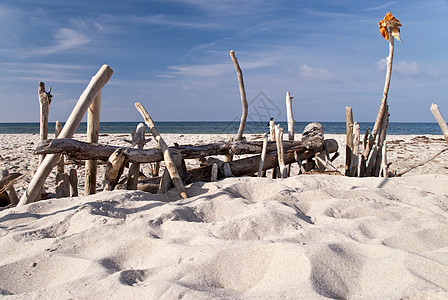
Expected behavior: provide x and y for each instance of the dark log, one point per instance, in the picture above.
(84, 151)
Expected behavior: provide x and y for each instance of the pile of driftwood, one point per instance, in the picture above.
(312, 152)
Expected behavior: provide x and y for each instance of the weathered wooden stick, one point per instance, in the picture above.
(93, 130)
(138, 139)
(383, 104)
(8, 180)
(63, 186)
(363, 163)
(281, 161)
(61, 164)
(165, 181)
(289, 115)
(9, 186)
(349, 139)
(37, 182)
(372, 161)
(214, 176)
(384, 166)
(73, 183)
(239, 73)
(436, 112)
(327, 164)
(169, 164)
(81, 150)
(355, 158)
(271, 129)
(299, 162)
(381, 141)
(44, 101)
(263, 155)
(114, 169)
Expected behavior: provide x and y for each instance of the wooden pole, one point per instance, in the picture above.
(138, 139)
(381, 141)
(281, 161)
(272, 129)
(9, 188)
(290, 117)
(73, 183)
(239, 73)
(381, 110)
(93, 130)
(174, 174)
(62, 179)
(44, 101)
(384, 166)
(436, 112)
(37, 182)
(355, 158)
(114, 169)
(349, 139)
(263, 155)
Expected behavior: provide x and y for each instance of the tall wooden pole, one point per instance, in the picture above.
(44, 101)
(436, 112)
(93, 129)
(349, 139)
(239, 73)
(290, 116)
(96, 84)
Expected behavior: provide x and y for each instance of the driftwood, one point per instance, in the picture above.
(138, 139)
(280, 153)
(354, 163)
(114, 169)
(6, 184)
(436, 112)
(44, 101)
(271, 129)
(349, 139)
(50, 161)
(249, 166)
(263, 155)
(169, 164)
(73, 183)
(81, 150)
(239, 73)
(93, 129)
(289, 116)
(313, 135)
(62, 179)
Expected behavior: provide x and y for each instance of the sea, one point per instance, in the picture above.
(222, 127)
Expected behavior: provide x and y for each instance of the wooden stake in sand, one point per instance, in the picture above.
(138, 139)
(174, 174)
(349, 139)
(263, 155)
(93, 130)
(436, 112)
(289, 115)
(388, 24)
(44, 101)
(62, 179)
(239, 73)
(281, 161)
(96, 84)
(355, 158)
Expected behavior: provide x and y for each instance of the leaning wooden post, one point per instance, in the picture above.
(169, 164)
(436, 112)
(355, 158)
(263, 155)
(93, 130)
(388, 24)
(62, 179)
(279, 141)
(290, 117)
(239, 73)
(349, 139)
(44, 101)
(96, 84)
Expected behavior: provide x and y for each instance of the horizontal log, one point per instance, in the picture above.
(250, 165)
(85, 151)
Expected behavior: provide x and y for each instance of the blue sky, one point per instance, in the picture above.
(173, 56)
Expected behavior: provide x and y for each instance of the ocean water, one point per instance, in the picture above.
(225, 127)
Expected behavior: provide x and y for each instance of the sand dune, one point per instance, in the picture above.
(305, 237)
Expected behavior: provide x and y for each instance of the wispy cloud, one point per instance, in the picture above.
(65, 39)
(316, 74)
(387, 5)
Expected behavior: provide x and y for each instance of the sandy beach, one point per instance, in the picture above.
(304, 237)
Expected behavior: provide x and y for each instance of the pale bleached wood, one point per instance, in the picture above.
(50, 161)
(44, 104)
(169, 164)
(381, 140)
(363, 162)
(93, 131)
(263, 155)
(165, 181)
(61, 163)
(227, 170)
(438, 115)
(299, 162)
(272, 129)
(214, 176)
(81, 150)
(354, 164)
(114, 169)
(349, 139)
(281, 161)
(138, 139)
(73, 183)
(372, 159)
(313, 135)
(384, 166)
(239, 73)
(7, 184)
(290, 117)
(63, 186)
(382, 108)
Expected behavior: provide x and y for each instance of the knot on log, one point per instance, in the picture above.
(313, 135)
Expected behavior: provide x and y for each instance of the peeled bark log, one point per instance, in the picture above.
(349, 139)
(289, 115)
(263, 155)
(354, 164)
(281, 162)
(73, 183)
(114, 169)
(436, 112)
(93, 130)
(44, 101)
(82, 150)
(239, 73)
(50, 161)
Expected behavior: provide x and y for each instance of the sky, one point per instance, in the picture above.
(173, 57)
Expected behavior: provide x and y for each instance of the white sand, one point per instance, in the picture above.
(305, 237)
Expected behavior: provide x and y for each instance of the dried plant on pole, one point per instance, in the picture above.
(389, 29)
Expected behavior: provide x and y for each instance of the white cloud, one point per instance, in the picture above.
(65, 39)
(381, 64)
(320, 74)
(202, 70)
(408, 68)
(387, 5)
